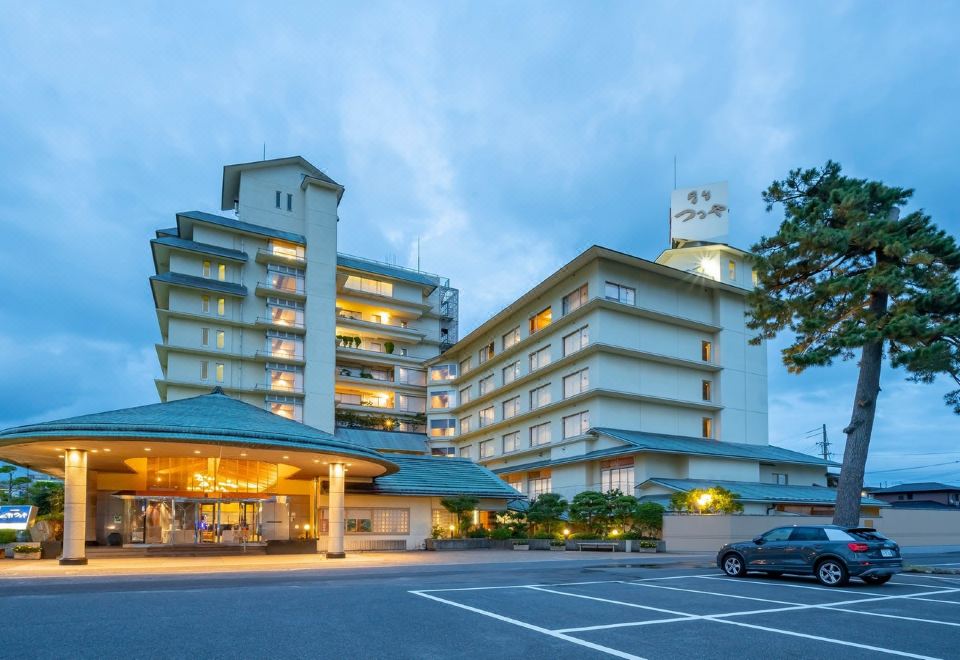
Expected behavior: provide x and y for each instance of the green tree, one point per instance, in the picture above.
(716, 499)
(461, 506)
(621, 509)
(9, 471)
(47, 496)
(649, 518)
(590, 509)
(844, 273)
(546, 510)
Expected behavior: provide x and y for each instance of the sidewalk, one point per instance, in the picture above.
(155, 566)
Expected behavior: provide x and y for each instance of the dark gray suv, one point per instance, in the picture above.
(830, 553)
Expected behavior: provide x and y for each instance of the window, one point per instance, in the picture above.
(540, 359)
(284, 377)
(465, 395)
(617, 474)
(464, 425)
(285, 278)
(754, 277)
(204, 336)
(485, 385)
(706, 388)
(576, 340)
(220, 339)
(515, 482)
(465, 366)
(511, 407)
(285, 312)
(620, 293)
(465, 451)
(486, 353)
(575, 425)
(289, 202)
(706, 351)
(732, 269)
(540, 434)
(204, 370)
(486, 417)
(370, 521)
(511, 338)
(778, 534)
(369, 285)
(576, 383)
(221, 306)
(442, 427)
(443, 372)
(780, 478)
(414, 404)
(221, 272)
(511, 372)
(448, 452)
(442, 399)
(541, 320)
(205, 304)
(808, 534)
(277, 199)
(285, 406)
(407, 376)
(707, 427)
(511, 442)
(538, 486)
(539, 396)
(487, 449)
(206, 268)
(574, 300)
(219, 372)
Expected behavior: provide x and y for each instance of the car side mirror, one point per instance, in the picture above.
(758, 540)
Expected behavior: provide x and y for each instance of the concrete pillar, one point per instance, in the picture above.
(74, 507)
(335, 515)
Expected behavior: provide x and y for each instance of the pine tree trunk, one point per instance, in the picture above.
(859, 431)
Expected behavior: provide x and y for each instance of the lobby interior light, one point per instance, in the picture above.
(106, 449)
(147, 449)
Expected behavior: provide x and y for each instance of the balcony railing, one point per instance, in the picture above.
(280, 323)
(279, 387)
(282, 255)
(374, 319)
(280, 354)
(298, 287)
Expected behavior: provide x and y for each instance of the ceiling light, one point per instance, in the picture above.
(285, 457)
(106, 450)
(196, 451)
(146, 449)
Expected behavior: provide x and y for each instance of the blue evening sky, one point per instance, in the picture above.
(508, 136)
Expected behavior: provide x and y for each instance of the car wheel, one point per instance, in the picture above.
(733, 565)
(832, 573)
(876, 579)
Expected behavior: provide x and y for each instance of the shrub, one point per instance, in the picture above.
(8, 535)
(388, 346)
(501, 533)
(478, 533)
(26, 549)
(543, 535)
(436, 532)
(648, 544)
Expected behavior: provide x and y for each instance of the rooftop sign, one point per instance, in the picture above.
(701, 213)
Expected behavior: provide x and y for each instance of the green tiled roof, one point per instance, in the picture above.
(441, 476)
(213, 417)
(239, 225)
(749, 491)
(203, 248)
(204, 283)
(383, 440)
(676, 444)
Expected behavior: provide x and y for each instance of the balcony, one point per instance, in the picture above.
(293, 288)
(281, 255)
(276, 322)
(281, 355)
(280, 386)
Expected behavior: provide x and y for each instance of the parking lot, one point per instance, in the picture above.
(704, 614)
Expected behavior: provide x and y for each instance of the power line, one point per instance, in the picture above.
(915, 467)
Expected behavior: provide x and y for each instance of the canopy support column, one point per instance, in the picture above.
(336, 513)
(74, 508)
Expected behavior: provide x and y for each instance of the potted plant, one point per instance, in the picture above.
(558, 545)
(648, 546)
(26, 551)
(356, 342)
(388, 346)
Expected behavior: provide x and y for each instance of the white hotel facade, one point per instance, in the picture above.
(614, 372)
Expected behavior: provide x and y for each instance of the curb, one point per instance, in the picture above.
(931, 570)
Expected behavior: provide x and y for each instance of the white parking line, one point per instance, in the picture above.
(517, 586)
(832, 590)
(529, 626)
(893, 616)
(615, 602)
(710, 593)
(630, 624)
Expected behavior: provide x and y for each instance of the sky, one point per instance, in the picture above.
(507, 136)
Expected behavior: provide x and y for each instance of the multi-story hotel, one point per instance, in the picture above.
(263, 306)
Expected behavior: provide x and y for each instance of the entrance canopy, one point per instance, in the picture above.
(209, 426)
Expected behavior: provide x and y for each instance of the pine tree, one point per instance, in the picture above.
(845, 272)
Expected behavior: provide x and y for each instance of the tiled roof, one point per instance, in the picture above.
(383, 440)
(676, 444)
(749, 491)
(172, 231)
(209, 417)
(441, 476)
(920, 487)
(200, 283)
(239, 225)
(395, 272)
(203, 248)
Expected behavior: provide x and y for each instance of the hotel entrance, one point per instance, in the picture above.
(185, 521)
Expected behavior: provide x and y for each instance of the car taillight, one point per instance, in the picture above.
(858, 547)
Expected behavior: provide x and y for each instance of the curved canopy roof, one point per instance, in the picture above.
(213, 418)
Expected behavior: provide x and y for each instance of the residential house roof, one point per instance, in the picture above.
(918, 487)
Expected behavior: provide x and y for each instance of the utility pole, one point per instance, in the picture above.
(824, 444)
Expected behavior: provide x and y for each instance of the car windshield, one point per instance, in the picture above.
(867, 534)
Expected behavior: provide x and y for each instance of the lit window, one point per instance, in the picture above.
(284, 344)
(465, 451)
(443, 372)
(707, 427)
(511, 373)
(285, 406)
(541, 320)
(706, 351)
(206, 269)
(442, 427)
(289, 202)
(465, 395)
(443, 399)
(487, 449)
(576, 340)
(576, 383)
(204, 336)
(205, 304)
(369, 521)
(511, 338)
(204, 370)
(486, 417)
(486, 353)
(540, 359)
(286, 278)
(574, 300)
(219, 372)
(221, 306)
(538, 485)
(617, 474)
(515, 482)
(277, 198)
(369, 285)
(464, 425)
(540, 434)
(620, 293)
(539, 396)
(511, 407)
(575, 425)
(414, 404)
(220, 338)
(407, 376)
(485, 385)
(511, 442)
(221, 272)
(284, 377)
(707, 386)
(732, 269)
(465, 366)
